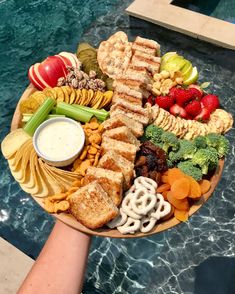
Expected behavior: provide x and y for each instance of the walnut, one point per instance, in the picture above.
(92, 74)
(61, 82)
(74, 83)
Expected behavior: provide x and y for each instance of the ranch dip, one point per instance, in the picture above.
(59, 140)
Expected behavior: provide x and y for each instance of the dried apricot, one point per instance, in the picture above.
(163, 188)
(177, 203)
(205, 186)
(174, 174)
(181, 215)
(164, 194)
(195, 189)
(180, 188)
(164, 179)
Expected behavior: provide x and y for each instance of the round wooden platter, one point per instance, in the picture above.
(113, 233)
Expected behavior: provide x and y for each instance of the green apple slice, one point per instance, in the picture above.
(193, 77)
(175, 63)
(187, 70)
(165, 58)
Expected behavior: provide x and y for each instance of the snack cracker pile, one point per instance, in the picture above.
(118, 137)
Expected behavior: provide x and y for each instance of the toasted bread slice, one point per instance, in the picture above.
(149, 62)
(122, 134)
(114, 161)
(92, 206)
(124, 97)
(147, 46)
(136, 112)
(127, 150)
(111, 181)
(122, 120)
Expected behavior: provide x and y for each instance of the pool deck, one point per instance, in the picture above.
(14, 267)
(203, 27)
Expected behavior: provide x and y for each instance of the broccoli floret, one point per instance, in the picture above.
(175, 156)
(219, 142)
(169, 141)
(187, 148)
(205, 159)
(200, 142)
(153, 133)
(188, 168)
(186, 151)
(170, 163)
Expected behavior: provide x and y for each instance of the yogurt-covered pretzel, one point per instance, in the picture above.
(147, 223)
(142, 202)
(161, 209)
(127, 207)
(130, 227)
(118, 221)
(147, 183)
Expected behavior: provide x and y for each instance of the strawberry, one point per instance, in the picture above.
(193, 108)
(211, 102)
(195, 93)
(193, 86)
(182, 96)
(164, 102)
(172, 92)
(177, 110)
(150, 100)
(203, 116)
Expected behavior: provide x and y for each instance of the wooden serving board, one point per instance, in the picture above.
(113, 233)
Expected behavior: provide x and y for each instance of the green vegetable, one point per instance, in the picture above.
(100, 114)
(205, 158)
(219, 142)
(170, 163)
(153, 133)
(187, 149)
(39, 116)
(169, 141)
(188, 168)
(200, 142)
(27, 116)
(73, 112)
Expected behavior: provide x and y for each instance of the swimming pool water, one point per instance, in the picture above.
(222, 9)
(177, 261)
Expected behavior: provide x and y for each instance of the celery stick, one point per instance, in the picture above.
(39, 116)
(101, 114)
(27, 116)
(73, 112)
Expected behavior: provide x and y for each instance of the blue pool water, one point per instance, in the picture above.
(222, 9)
(189, 258)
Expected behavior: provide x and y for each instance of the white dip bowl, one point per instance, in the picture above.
(58, 141)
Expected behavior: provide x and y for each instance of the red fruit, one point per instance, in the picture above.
(203, 116)
(195, 93)
(164, 102)
(172, 92)
(193, 108)
(211, 102)
(150, 100)
(193, 86)
(182, 96)
(177, 110)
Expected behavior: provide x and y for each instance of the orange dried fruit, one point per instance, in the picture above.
(180, 188)
(163, 188)
(177, 203)
(164, 179)
(174, 174)
(195, 189)
(181, 215)
(205, 186)
(164, 194)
